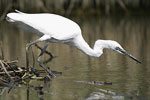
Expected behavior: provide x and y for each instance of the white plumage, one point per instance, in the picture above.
(55, 28)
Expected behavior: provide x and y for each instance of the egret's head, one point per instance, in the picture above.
(117, 47)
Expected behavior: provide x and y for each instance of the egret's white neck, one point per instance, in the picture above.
(97, 51)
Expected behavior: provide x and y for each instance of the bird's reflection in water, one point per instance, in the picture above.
(45, 83)
(38, 89)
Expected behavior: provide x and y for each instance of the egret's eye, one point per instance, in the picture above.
(117, 48)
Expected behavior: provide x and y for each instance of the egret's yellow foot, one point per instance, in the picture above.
(35, 77)
(26, 75)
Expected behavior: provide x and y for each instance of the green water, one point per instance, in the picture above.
(129, 79)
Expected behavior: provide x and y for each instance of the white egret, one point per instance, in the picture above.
(58, 29)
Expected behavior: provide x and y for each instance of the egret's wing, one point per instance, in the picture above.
(56, 26)
(53, 25)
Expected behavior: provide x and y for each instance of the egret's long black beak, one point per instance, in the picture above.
(129, 55)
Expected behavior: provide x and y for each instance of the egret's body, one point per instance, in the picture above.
(55, 28)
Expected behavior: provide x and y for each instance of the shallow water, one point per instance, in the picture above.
(129, 79)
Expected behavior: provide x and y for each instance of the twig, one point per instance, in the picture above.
(2, 65)
(2, 53)
(4, 81)
(12, 72)
(9, 67)
(12, 62)
(3, 90)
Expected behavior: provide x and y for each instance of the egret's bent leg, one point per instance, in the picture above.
(46, 68)
(47, 52)
(44, 37)
(41, 63)
(44, 49)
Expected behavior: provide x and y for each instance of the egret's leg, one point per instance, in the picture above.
(27, 49)
(49, 53)
(44, 37)
(41, 63)
(44, 49)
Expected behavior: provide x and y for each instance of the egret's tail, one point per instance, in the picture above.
(15, 16)
(19, 11)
